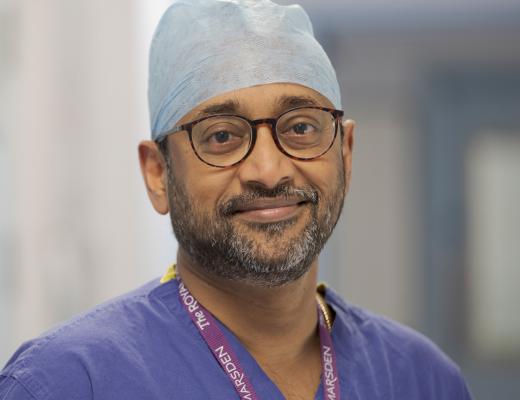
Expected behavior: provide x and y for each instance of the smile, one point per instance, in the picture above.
(269, 210)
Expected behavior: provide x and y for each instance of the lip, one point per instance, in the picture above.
(269, 210)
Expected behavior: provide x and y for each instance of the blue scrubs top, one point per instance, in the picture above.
(143, 345)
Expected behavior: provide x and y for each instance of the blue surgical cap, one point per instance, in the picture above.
(203, 48)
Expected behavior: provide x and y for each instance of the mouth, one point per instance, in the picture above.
(269, 210)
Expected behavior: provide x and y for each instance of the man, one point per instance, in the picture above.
(252, 161)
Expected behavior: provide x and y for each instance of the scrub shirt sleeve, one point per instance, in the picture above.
(10, 389)
(466, 394)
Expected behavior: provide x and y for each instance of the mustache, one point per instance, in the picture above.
(256, 192)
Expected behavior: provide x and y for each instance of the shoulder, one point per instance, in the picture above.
(400, 354)
(10, 388)
(378, 330)
(60, 363)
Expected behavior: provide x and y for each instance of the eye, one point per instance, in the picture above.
(221, 137)
(299, 128)
(303, 128)
(221, 133)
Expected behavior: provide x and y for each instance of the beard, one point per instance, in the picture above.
(260, 254)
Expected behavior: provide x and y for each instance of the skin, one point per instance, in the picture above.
(277, 324)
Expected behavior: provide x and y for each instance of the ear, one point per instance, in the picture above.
(348, 147)
(153, 168)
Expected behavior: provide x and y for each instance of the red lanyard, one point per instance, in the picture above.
(226, 357)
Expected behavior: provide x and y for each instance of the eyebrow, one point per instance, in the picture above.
(227, 107)
(282, 103)
(287, 102)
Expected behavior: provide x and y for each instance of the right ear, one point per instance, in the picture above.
(153, 168)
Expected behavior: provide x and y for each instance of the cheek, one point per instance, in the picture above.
(207, 185)
(325, 173)
(204, 184)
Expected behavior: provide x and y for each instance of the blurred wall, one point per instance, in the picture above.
(76, 226)
(386, 78)
(422, 80)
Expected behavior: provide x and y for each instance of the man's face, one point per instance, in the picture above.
(265, 220)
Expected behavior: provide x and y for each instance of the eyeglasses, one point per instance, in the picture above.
(302, 133)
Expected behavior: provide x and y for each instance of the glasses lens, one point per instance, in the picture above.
(221, 140)
(306, 132)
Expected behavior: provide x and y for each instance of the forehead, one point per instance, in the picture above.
(259, 101)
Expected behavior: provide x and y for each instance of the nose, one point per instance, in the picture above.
(266, 165)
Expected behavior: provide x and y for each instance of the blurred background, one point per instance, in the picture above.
(430, 234)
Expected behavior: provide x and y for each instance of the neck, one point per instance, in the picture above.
(276, 324)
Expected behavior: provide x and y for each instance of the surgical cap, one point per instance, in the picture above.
(203, 48)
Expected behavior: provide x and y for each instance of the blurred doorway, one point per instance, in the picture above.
(472, 254)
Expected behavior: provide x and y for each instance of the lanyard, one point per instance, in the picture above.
(226, 357)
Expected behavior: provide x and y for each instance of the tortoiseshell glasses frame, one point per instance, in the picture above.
(249, 127)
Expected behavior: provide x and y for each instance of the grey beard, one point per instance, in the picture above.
(220, 248)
